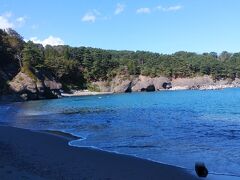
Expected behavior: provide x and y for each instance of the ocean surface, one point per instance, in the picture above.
(173, 127)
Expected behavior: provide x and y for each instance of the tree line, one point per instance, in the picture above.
(79, 66)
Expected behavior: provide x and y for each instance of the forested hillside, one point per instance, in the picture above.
(72, 65)
(77, 67)
(11, 46)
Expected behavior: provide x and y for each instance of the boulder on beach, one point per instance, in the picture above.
(150, 88)
(167, 85)
(201, 169)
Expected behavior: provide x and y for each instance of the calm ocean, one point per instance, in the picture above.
(173, 127)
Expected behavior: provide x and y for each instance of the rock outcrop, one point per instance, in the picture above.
(145, 83)
(119, 84)
(25, 86)
(123, 84)
(29, 88)
(220, 84)
(236, 82)
(142, 83)
(45, 86)
(191, 83)
(161, 83)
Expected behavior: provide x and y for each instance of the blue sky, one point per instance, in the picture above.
(163, 26)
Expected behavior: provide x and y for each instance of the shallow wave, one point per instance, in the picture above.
(67, 111)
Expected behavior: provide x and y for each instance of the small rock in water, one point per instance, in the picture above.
(201, 169)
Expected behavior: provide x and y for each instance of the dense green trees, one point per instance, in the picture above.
(32, 55)
(11, 45)
(63, 63)
(82, 65)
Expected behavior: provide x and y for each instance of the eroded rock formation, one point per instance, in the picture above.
(29, 88)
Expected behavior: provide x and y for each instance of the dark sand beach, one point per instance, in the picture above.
(26, 154)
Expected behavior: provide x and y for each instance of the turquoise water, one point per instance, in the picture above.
(174, 127)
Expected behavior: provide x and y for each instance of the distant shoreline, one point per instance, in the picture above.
(84, 93)
(79, 93)
(179, 88)
(209, 87)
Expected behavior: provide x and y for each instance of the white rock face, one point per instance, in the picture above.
(236, 82)
(122, 84)
(191, 83)
(143, 82)
(159, 81)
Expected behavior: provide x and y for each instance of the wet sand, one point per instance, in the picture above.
(26, 154)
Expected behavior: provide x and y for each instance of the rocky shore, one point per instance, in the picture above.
(23, 87)
(122, 84)
(83, 93)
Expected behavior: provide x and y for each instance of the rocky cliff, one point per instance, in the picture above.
(24, 87)
(44, 86)
(122, 84)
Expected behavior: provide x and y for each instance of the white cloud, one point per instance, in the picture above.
(143, 11)
(7, 20)
(51, 40)
(120, 8)
(170, 8)
(94, 15)
(21, 21)
(89, 17)
(5, 23)
(174, 8)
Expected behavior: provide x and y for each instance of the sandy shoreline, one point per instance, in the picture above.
(26, 154)
(38, 155)
(177, 88)
(84, 93)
